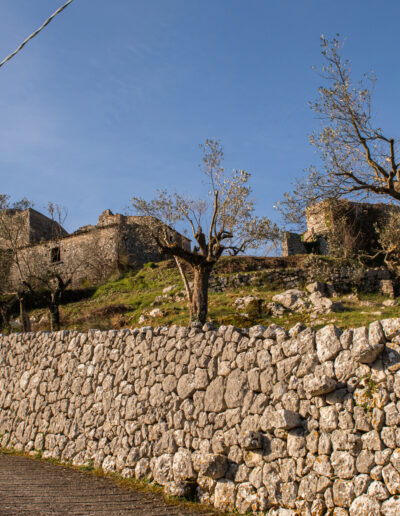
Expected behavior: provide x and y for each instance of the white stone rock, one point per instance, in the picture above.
(328, 342)
(364, 505)
(225, 495)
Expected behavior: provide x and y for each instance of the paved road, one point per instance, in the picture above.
(38, 488)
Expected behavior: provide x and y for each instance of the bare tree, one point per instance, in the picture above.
(12, 237)
(224, 222)
(37, 272)
(359, 160)
(44, 279)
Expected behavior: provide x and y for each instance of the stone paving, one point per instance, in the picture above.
(36, 488)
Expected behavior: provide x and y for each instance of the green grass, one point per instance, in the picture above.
(120, 302)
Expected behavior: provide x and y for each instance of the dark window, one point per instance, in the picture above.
(55, 255)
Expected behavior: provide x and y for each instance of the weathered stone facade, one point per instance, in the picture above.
(298, 423)
(292, 244)
(324, 216)
(27, 227)
(90, 254)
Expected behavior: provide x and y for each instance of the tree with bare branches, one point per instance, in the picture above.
(359, 159)
(38, 274)
(224, 222)
(12, 237)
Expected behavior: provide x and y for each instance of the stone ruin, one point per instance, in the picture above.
(325, 216)
(90, 254)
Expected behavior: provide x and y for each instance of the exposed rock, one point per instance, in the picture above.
(212, 465)
(328, 342)
(364, 505)
(363, 351)
(274, 309)
(317, 385)
(293, 299)
(285, 419)
(225, 495)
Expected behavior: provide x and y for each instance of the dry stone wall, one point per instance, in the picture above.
(298, 422)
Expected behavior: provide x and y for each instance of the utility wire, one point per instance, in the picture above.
(35, 33)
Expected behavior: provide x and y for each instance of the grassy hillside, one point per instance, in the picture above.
(126, 302)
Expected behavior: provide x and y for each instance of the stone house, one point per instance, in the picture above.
(349, 223)
(87, 256)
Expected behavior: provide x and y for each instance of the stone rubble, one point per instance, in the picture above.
(292, 422)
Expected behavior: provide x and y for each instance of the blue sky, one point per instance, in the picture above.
(112, 99)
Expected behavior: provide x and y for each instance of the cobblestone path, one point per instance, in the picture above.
(38, 488)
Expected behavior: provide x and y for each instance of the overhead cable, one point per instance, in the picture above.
(21, 46)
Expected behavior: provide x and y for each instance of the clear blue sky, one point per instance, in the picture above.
(112, 99)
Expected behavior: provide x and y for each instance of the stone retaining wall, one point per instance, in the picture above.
(344, 279)
(298, 422)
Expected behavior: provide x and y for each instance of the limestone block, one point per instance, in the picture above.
(391, 327)
(214, 398)
(256, 476)
(200, 378)
(289, 494)
(343, 492)
(246, 498)
(169, 383)
(392, 415)
(378, 491)
(391, 507)
(296, 443)
(225, 495)
(328, 418)
(235, 388)
(364, 351)
(344, 365)
(382, 458)
(253, 378)
(182, 465)
(322, 466)
(391, 478)
(162, 469)
(318, 384)
(343, 464)
(364, 505)
(293, 299)
(365, 461)
(395, 459)
(186, 386)
(285, 419)
(376, 334)
(328, 342)
(212, 465)
(361, 483)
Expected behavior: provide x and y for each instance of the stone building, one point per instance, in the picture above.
(88, 255)
(349, 223)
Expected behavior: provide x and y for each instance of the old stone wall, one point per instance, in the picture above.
(88, 256)
(343, 279)
(259, 419)
(292, 244)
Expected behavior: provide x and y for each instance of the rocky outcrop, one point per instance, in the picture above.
(298, 422)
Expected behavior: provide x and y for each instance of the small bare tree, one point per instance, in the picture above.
(42, 278)
(12, 237)
(222, 223)
(35, 274)
(389, 239)
(360, 160)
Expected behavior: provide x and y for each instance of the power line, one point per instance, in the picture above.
(21, 46)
